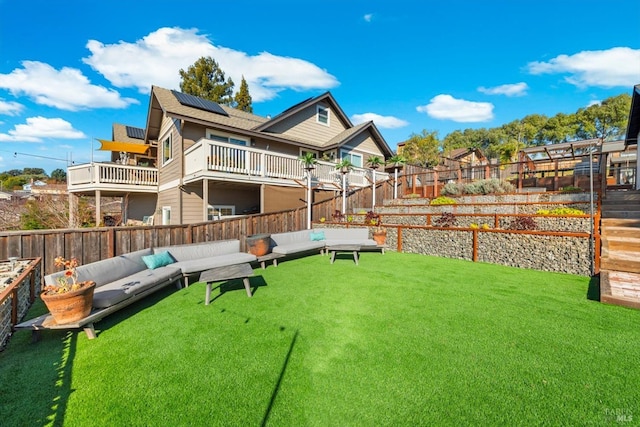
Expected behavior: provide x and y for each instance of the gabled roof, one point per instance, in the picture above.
(459, 153)
(124, 133)
(633, 126)
(291, 111)
(164, 102)
(349, 134)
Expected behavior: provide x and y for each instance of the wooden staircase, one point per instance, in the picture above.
(620, 254)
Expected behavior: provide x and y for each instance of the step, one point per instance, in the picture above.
(616, 232)
(620, 222)
(626, 261)
(620, 205)
(622, 195)
(622, 243)
(626, 214)
(620, 288)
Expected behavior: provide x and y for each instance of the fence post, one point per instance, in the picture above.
(399, 243)
(475, 245)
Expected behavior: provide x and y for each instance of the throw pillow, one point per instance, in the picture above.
(317, 236)
(158, 260)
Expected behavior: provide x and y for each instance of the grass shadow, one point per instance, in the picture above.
(593, 292)
(35, 377)
(276, 389)
(255, 282)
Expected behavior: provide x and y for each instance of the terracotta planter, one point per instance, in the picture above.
(71, 306)
(258, 244)
(380, 237)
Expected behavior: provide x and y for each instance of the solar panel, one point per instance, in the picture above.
(136, 133)
(200, 103)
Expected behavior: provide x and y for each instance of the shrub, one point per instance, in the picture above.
(337, 216)
(485, 186)
(442, 200)
(485, 226)
(372, 218)
(523, 223)
(560, 211)
(571, 189)
(474, 225)
(447, 219)
(450, 189)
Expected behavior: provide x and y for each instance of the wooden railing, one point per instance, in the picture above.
(219, 157)
(109, 174)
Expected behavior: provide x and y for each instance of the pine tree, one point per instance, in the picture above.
(243, 98)
(205, 79)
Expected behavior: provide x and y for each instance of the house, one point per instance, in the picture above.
(196, 160)
(33, 184)
(633, 129)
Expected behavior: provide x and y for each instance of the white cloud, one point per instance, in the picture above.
(515, 89)
(618, 66)
(368, 17)
(10, 108)
(156, 59)
(38, 128)
(594, 102)
(67, 89)
(383, 122)
(446, 107)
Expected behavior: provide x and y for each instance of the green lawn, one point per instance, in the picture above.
(400, 340)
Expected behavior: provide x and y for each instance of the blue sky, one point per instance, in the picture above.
(70, 69)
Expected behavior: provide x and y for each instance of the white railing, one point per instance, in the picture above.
(109, 173)
(240, 160)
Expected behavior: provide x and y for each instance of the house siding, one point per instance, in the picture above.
(172, 170)
(192, 204)
(365, 145)
(303, 126)
(172, 199)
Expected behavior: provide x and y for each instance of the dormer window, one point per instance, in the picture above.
(322, 115)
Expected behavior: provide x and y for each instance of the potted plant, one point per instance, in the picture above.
(69, 299)
(344, 166)
(379, 232)
(308, 161)
(375, 162)
(396, 161)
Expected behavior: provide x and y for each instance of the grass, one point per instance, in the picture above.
(400, 340)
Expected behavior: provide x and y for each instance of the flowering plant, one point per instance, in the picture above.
(67, 282)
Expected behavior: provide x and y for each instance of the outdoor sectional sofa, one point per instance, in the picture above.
(296, 242)
(126, 278)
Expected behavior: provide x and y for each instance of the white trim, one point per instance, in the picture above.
(164, 162)
(352, 154)
(306, 150)
(328, 110)
(227, 135)
(218, 208)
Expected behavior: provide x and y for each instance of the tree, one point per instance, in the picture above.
(560, 128)
(604, 121)
(33, 171)
(59, 175)
(243, 98)
(422, 149)
(205, 79)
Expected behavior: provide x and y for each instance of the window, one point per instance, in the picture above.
(167, 150)
(355, 159)
(218, 211)
(166, 215)
(304, 152)
(229, 139)
(322, 115)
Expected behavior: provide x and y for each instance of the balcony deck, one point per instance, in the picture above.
(214, 160)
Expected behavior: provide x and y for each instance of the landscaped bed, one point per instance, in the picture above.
(401, 339)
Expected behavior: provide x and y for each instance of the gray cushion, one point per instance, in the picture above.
(107, 270)
(201, 250)
(291, 237)
(351, 233)
(292, 248)
(119, 290)
(197, 265)
(359, 242)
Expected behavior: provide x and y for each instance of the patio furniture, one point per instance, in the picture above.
(269, 257)
(230, 272)
(355, 249)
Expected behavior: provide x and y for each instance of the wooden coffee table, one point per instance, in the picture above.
(355, 249)
(229, 272)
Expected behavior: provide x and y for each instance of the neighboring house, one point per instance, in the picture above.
(633, 128)
(33, 184)
(196, 160)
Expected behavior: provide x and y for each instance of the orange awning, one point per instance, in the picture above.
(127, 147)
